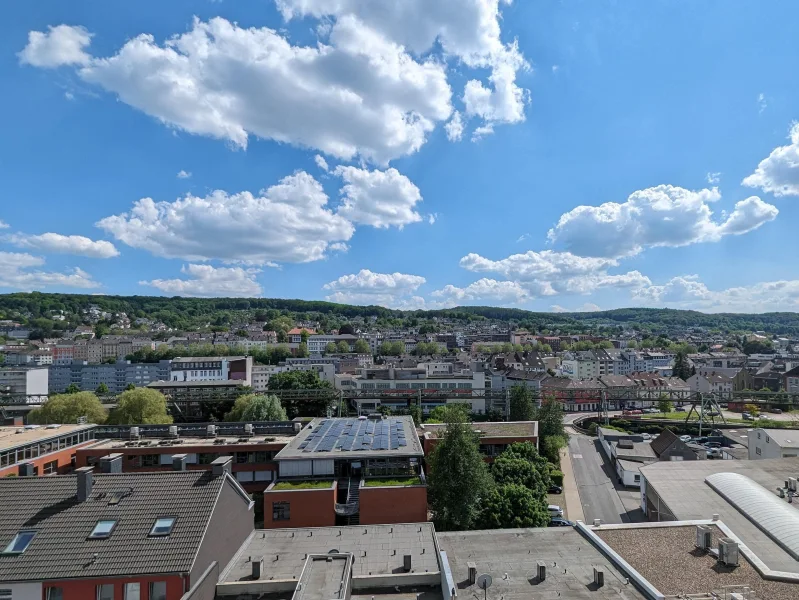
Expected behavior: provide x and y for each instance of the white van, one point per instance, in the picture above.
(555, 510)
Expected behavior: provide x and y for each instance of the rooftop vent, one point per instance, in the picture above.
(135, 433)
(248, 429)
(173, 431)
(257, 567)
(599, 577)
(210, 431)
(628, 444)
(792, 483)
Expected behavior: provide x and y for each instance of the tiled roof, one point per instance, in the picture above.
(61, 550)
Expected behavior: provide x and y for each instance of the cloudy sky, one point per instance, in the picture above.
(574, 155)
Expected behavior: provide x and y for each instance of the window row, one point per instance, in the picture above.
(105, 591)
(15, 455)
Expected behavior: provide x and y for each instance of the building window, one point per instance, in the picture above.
(281, 511)
(53, 593)
(103, 529)
(133, 591)
(163, 526)
(758, 451)
(158, 590)
(50, 468)
(105, 591)
(20, 542)
(637, 478)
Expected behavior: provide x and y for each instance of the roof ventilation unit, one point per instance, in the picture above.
(173, 431)
(210, 431)
(628, 444)
(135, 433)
(704, 537)
(728, 552)
(248, 429)
(792, 483)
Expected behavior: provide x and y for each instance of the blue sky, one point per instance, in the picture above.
(545, 155)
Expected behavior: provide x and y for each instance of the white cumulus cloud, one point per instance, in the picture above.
(483, 290)
(209, 282)
(65, 244)
(3, 224)
(454, 127)
(660, 216)
(288, 222)
(778, 173)
(321, 162)
(394, 290)
(713, 178)
(378, 198)
(184, 174)
(61, 45)
(17, 272)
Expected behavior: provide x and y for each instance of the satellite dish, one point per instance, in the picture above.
(484, 581)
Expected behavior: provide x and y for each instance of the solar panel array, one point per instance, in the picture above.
(355, 435)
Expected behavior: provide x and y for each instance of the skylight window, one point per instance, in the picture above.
(20, 542)
(103, 529)
(163, 526)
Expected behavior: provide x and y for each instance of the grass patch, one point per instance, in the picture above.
(393, 482)
(302, 485)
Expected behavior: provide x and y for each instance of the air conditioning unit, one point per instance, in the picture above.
(728, 552)
(792, 483)
(173, 431)
(704, 537)
(248, 429)
(135, 433)
(210, 431)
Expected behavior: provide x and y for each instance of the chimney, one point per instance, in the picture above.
(406, 562)
(85, 481)
(111, 463)
(472, 572)
(257, 567)
(179, 462)
(26, 469)
(221, 465)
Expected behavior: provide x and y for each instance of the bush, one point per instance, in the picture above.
(556, 477)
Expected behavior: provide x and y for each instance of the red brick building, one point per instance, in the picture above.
(41, 449)
(494, 437)
(349, 471)
(117, 536)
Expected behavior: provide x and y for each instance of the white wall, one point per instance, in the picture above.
(23, 591)
(37, 382)
(628, 477)
(762, 446)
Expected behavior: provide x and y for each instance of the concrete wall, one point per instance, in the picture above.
(24, 591)
(307, 508)
(86, 589)
(393, 504)
(761, 446)
(230, 524)
(205, 586)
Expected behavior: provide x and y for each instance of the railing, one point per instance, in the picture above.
(346, 510)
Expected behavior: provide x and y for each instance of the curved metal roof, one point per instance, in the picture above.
(778, 519)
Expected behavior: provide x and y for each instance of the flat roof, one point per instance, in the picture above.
(490, 429)
(739, 436)
(181, 443)
(180, 359)
(11, 437)
(354, 438)
(786, 438)
(681, 486)
(510, 556)
(668, 559)
(378, 549)
(188, 384)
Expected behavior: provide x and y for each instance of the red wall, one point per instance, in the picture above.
(307, 508)
(64, 458)
(386, 505)
(86, 589)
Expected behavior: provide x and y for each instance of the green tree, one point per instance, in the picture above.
(551, 446)
(522, 407)
(142, 406)
(68, 408)
(236, 413)
(758, 347)
(440, 414)
(343, 347)
(129, 387)
(391, 349)
(72, 388)
(664, 404)
(550, 418)
(304, 336)
(314, 404)
(546, 348)
(264, 408)
(512, 506)
(681, 367)
(331, 348)
(527, 451)
(416, 413)
(362, 347)
(302, 351)
(346, 329)
(101, 389)
(458, 478)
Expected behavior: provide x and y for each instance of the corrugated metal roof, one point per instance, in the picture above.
(778, 519)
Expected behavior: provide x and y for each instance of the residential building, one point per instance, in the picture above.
(790, 381)
(41, 449)
(212, 368)
(712, 383)
(251, 446)
(115, 536)
(116, 376)
(494, 438)
(773, 443)
(261, 375)
(295, 335)
(28, 384)
(331, 474)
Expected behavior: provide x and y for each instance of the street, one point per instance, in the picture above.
(601, 497)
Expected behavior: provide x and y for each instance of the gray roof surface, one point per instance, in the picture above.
(786, 438)
(378, 542)
(681, 486)
(49, 506)
(10, 437)
(344, 438)
(490, 429)
(641, 450)
(569, 558)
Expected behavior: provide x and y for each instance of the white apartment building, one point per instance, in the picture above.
(261, 375)
(773, 443)
(213, 368)
(30, 384)
(711, 383)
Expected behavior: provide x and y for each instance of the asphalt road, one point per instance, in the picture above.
(600, 496)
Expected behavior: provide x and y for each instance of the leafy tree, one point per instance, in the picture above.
(346, 329)
(384, 410)
(72, 388)
(264, 408)
(527, 451)
(551, 446)
(302, 351)
(416, 413)
(681, 367)
(68, 408)
(282, 337)
(440, 413)
(632, 344)
(512, 506)
(458, 480)
(362, 347)
(331, 348)
(522, 407)
(141, 406)
(545, 348)
(343, 347)
(664, 404)
(391, 349)
(314, 405)
(101, 389)
(752, 409)
(129, 387)
(758, 347)
(236, 413)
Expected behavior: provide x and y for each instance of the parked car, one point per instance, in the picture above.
(679, 409)
(555, 489)
(776, 411)
(747, 416)
(685, 438)
(712, 445)
(646, 436)
(560, 522)
(714, 453)
(555, 510)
